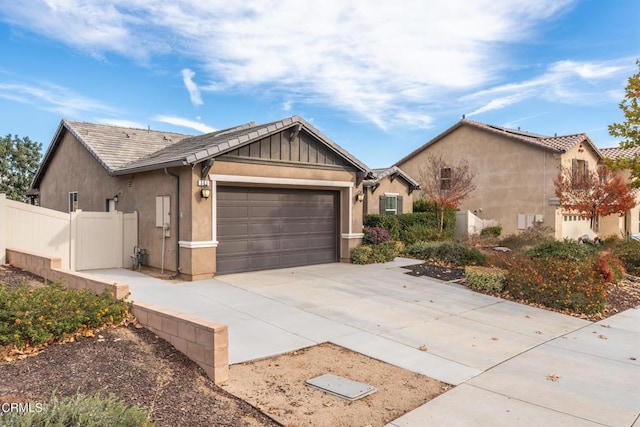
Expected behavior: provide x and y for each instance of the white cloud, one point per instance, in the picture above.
(379, 61)
(186, 123)
(571, 82)
(51, 97)
(192, 87)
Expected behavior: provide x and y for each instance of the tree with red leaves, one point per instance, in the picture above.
(446, 184)
(592, 194)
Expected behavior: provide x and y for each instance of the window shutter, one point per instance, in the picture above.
(586, 166)
(574, 166)
(382, 206)
(399, 207)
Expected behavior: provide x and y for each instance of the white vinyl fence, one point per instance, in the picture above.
(468, 224)
(83, 240)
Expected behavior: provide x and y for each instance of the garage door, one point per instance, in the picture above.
(263, 228)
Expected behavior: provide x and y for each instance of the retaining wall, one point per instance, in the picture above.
(202, 341)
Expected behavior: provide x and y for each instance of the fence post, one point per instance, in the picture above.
(73, 239)
(3, 229)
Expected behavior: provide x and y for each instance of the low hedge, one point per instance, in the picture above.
(485, 279)
(628, 252)
(558, 283)
(450, 253)
(370, 254)
(52, 313)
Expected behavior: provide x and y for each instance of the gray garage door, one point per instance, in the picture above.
(263, 228)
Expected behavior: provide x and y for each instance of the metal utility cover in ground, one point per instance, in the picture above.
(341, 387)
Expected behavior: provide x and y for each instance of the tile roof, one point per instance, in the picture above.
(115, 146)
(557, 144)
(122, 150)
(384, 172)
(616, 153)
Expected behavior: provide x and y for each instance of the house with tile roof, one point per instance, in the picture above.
(629, 224)
(251, 197)
(514, 173)
(389, 192)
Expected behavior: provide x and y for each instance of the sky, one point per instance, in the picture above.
(379, 78)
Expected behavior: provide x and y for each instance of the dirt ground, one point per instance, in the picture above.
(139, 368)
(277, 386)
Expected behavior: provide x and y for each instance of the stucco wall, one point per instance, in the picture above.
(399, 186)
(512, 177)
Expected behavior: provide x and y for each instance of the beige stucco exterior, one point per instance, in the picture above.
(73, 168)
(398, 187)
(514, 179)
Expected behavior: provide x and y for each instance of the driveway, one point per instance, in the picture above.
(502, 356)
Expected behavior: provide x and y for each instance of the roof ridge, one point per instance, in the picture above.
(70, 122)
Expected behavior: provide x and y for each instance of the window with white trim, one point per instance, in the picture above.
(391, 204)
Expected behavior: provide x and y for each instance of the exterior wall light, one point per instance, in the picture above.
(360, 197)
(205, 192)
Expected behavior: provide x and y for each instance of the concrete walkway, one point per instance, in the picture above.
(499, 354)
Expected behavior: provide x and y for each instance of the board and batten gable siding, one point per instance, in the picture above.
(302, 149)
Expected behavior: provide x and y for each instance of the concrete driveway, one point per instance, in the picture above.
(500, 355)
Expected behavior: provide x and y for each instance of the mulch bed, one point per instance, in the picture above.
(446, 274)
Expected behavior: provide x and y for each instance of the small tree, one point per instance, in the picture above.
(593, 193)
(629, 130)
(446, 184)
(19, 160)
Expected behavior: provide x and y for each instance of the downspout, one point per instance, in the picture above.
(166, 171)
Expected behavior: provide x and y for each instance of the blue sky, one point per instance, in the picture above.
(380, 78)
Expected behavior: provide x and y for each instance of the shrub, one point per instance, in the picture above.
(387, 222)
(80, 410)
(528, 238)
(494, 231)
(52, 313)
(558, 283)
(368, 254)
(457, 254)
(610, 267)
(419, 232)
(485, 279)
(375, 236)
(567, 249)
(629, 253)
(361, 254)
(450, 253)
(420, 250)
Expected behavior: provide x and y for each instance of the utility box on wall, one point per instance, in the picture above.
(163, 211)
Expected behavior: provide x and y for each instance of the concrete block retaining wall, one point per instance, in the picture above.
(202, 341)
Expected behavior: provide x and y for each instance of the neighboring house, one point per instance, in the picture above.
(629, 224)
(389, 192)
(252, 197)
(514, 173)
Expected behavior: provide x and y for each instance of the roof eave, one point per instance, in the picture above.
(148, 168)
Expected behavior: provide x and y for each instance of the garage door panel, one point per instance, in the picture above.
(262, 228)
(231, 229)
(265, 228)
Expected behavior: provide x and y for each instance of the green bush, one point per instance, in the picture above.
(494, 231)
(420, 250)
(79, 410)
(628, 252)
(485, 279)
(558, 283)
(369, 254)
(528, 238)
(450, 253)
(387, 222)
(457, 254)
(419, 232)
(52, 313)
(567, 249)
